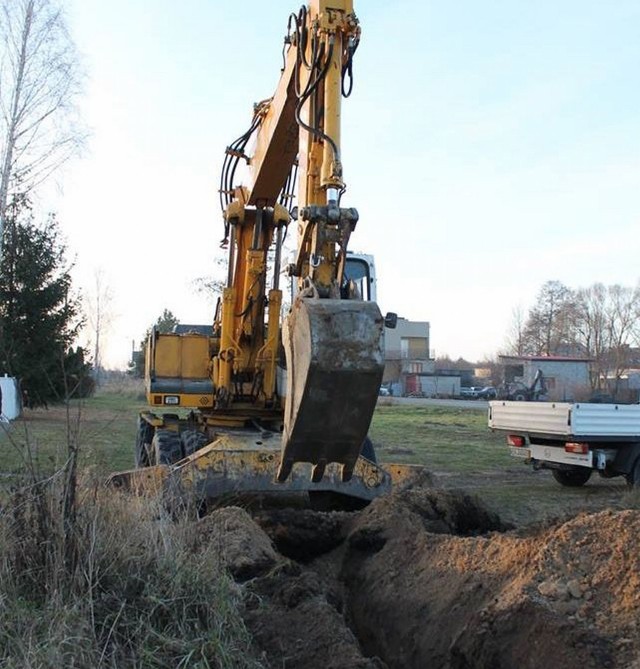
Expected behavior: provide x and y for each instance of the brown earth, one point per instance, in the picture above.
(429, 578)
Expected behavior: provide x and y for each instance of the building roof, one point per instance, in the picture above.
(546, 358)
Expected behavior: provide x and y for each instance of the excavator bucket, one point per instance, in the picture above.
(335, 361)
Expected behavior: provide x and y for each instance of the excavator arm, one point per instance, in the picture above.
(333, 345)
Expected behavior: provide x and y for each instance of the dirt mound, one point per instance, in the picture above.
(429, 578)
(428, 510)
(242, 547)
(593, 562)
(565, 596)
(298, 624)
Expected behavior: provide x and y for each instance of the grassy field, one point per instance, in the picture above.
(454, 444)
(454, 440)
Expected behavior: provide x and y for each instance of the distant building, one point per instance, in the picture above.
(566, 377)
(432, 384)
(408, 342)
(407, 356)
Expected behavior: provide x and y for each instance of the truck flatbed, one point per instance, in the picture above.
(580, 420)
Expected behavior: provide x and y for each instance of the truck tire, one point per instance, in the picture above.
(144, 437)
(167, 447)
(572, 478)
(633, 478)
(192, 440)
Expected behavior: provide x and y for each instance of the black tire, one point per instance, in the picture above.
(572, 478)
(520, 397)
(368, 451)
(192, 440)
(633, 477)
(167, 447)
(144, 437)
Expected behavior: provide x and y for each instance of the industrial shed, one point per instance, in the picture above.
(567, 378)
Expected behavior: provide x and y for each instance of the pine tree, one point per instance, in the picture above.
(164, 324)
(39, 315)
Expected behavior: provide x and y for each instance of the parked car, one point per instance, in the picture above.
(488, 393)
(477, 393)
(470, 393)
(384, 392)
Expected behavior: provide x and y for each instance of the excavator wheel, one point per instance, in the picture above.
(193, 440)
(144, 437)
(167, 447)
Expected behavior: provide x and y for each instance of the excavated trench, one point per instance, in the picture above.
(425, 578)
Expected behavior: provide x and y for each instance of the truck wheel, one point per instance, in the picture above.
(167, 447)
(368, 451)
(572, 478)
(633, 478)
(144, 437)
(192, 440)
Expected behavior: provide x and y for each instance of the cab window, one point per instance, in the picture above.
(357, 270)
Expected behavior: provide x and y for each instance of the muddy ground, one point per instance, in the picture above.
(429, 578)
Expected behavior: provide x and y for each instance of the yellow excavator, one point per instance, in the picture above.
(261, 422)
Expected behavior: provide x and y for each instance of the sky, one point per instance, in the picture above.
(488, 147)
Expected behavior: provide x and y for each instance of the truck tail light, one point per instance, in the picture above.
(576, 447)
(515, 440)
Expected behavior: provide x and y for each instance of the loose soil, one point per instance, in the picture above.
(431, 578)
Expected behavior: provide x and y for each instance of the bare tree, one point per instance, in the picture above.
(516, 336)
(590, 324)
(622, 309)
(39, 87)
(99, 308)
(605, 326)
(548, 330)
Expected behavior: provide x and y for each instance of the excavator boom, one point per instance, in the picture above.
(333, 344)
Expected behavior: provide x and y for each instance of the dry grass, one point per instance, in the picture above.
(111, 581)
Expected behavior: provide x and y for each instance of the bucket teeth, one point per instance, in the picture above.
(318, 471)
(284, 470)
(347, 474)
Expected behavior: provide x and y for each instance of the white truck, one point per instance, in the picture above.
(572, 439)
